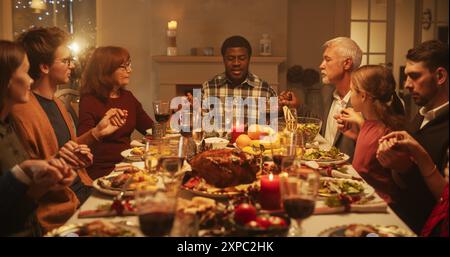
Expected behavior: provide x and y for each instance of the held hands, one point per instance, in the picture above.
(394, 150)
(78, 156)
(349, 122)
(110, 123)
(48, 175)
(403, 142)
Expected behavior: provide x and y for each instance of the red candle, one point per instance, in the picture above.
(270, 192)
(238, 129)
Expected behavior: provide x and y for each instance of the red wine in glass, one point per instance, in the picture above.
(156, 223)
(297, 207)
(161, 118)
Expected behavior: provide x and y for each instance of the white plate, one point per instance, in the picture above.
(72, 230)
(330, 162)
(368, 190)
(112, 191)
(339, 231)
(128, 156)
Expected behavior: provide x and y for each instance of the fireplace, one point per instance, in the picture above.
(176, 74)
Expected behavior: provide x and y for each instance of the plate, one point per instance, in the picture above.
(367, 192)
(109, 190)
(344, 159)
(363, 230)
(114, 229)
(126, 154)
(234, 191)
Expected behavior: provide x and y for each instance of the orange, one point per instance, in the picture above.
(243, 140)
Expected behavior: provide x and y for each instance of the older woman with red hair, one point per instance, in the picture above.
(103, 87)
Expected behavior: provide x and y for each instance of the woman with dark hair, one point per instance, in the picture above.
(373, 94)
(22, 182)
(103, 87)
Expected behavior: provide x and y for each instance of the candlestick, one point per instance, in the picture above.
(270, 192)
(172, 38)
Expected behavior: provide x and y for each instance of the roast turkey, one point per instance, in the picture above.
(225, 167)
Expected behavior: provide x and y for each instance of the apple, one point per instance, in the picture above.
(263, 222)
(277, 221)
(244, 213)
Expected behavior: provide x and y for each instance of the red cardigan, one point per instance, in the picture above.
(107, 152)
(437, 223)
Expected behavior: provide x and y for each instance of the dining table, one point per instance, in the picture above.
(313, 226)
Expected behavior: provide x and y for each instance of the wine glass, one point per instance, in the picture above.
(287, 151)
(298, 189)
(162, 113)
(156, 211)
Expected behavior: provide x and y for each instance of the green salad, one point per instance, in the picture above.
(313, 154)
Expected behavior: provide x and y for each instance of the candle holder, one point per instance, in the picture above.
(172, 38)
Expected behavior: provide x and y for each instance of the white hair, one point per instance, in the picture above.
(346, 48)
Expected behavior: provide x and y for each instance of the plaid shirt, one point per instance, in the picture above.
(253, 92)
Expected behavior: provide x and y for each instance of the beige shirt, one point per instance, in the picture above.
(431, 114)
(337, 106)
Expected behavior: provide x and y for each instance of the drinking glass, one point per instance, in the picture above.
(162, 113)
(287, 151)
(156, 211)
(170, 163)
(151, 154)
(298, 188)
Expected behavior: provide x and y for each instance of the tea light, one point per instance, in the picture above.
(270, 192)
(172, 25)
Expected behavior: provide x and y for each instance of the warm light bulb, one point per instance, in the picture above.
(75, 48)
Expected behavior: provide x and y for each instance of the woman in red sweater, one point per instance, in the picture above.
(103, 87)
(373, 94)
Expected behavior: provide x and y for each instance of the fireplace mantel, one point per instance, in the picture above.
(175, 71)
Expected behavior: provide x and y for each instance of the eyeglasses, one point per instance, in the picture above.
(67, 61)
(126, 66)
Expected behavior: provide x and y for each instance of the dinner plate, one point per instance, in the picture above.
(218, 194)
(381, 231)
(73, 230)
(367, 192)
(344, 159)
(110, 190)
(126, 154)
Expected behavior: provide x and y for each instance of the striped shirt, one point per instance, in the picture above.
(248, 98)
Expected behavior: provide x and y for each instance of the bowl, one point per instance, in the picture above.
(216, 143)
(307, 128)
(271, 231)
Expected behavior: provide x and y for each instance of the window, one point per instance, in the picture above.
(369, 27)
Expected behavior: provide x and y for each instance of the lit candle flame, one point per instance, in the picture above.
(172, 25)
(271, 177)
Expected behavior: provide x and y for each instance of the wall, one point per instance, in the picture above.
(5, 20)
(310, 24)
(201, 23)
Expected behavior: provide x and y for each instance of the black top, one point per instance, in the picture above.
(56, 119)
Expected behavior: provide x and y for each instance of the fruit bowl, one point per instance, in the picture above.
(274, 225)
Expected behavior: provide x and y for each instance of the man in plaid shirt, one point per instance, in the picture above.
(237, 97)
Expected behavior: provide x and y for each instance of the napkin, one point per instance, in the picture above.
(379, 206)
(136, 143)
(337, 174)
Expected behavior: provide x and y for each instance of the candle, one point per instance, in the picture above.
(238, 129)
(172, 25)
(270, 192)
